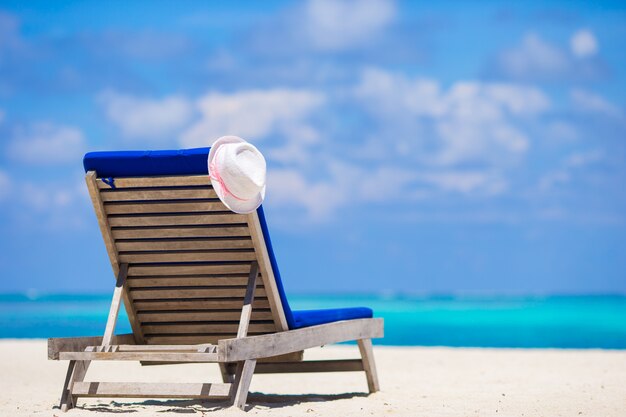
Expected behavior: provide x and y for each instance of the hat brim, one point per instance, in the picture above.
(232, 203)
(239, 206)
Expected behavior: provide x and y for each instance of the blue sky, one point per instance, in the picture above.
(412, 147)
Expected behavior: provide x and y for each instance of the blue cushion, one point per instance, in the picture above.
(306, 318)
(194, 162)
(147, 163)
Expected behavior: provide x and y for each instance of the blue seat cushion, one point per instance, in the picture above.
(147, 163)
(194, 162)
(306, 318)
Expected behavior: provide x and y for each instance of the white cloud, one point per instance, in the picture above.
(341, 24)
(464, 99)
(45, 205)
(473, 127)
(47, 144)
(342, 185)
(382, 182)
(386, 92)
(52, 206)
(44, 199)
(583, 43)
(533, 57)
(468, 141)
(144, 118)
(254, 115)
(570, 167)
(582, 159)
(471, 121)
(537, 59)
(593, 103)
(291, 189)
(347, 185)
(518, 99)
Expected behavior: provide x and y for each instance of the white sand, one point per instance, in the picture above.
(415, 382)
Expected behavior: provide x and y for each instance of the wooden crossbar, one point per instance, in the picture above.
(154, 348)
(140, 356)
(337, 365)
(151, 390)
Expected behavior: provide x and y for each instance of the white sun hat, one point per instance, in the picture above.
(237, 170)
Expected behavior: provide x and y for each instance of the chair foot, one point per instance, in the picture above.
(243, 378)
(76, 371)
(367, 356)
(67, 402)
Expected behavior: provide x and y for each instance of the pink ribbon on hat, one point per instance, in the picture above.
(214, 174)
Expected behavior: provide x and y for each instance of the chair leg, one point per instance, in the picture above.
(367, 356)
(76, 372)
(241, 385)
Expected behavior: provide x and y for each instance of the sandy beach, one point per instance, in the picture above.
(415, 381)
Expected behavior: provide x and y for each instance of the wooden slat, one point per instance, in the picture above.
(189, 328)
(184, 244)
(150, 390)
(182, 292)
(161, 181)
(105, 230)
(240, 230)
(178, 281)
(157, 194)
(189, 256)
(234, 350)
(289, 357)
(206, 348)
(174, 219)
(186, 339)
(199, 304)
(172, 207)
(216, 268)
(140, 356)
(171, 316)
(267, 274)
(338, 365)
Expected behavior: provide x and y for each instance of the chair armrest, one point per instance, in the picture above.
(254, 347)
(78, 344)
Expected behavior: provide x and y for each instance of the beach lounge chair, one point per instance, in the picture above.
(199, 284)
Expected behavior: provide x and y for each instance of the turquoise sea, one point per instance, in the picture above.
(485, 321)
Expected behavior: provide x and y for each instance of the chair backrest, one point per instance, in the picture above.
(188, 259)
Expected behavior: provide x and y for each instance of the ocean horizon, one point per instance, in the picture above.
(506, 321)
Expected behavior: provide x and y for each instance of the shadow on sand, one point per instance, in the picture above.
(193, 406)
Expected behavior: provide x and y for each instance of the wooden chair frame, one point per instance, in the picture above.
(239, 357)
